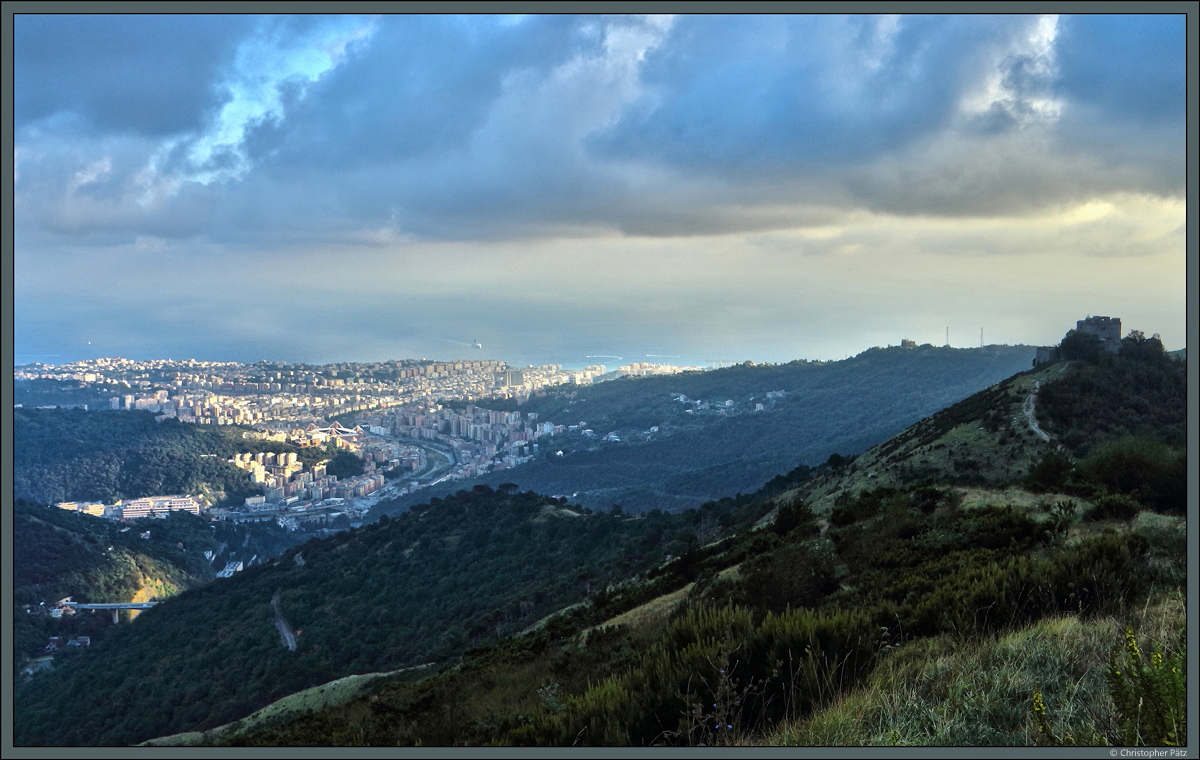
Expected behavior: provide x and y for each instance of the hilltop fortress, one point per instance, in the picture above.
(1107, 329)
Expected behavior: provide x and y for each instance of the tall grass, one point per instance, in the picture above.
(977, 691)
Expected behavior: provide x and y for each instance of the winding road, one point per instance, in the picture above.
(285, 630)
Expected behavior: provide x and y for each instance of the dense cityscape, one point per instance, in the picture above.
(276, 392)
(393, 416)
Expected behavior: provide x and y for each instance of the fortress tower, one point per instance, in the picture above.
(1107, 329)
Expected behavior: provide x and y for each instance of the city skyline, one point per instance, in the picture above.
(364, 188)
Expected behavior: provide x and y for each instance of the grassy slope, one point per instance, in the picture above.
(954, 692)
(983, 440)
(326, 695)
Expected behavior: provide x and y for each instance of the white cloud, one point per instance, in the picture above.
(266, 66)
(1018, 80)
(90, 174)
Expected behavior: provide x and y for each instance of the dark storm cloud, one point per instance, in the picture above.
(761, 91)
(268, 131)
(422, 86)
(1132, 68)
(146, 75)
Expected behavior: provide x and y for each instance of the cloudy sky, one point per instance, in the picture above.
(328, 188)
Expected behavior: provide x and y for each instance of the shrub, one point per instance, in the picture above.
(1141, 467)
(1150, 697)
(1113, 507)
(840, 517)
(1050, 473)
(1062, 514)
(927, 499)
(1080, 346)
(795, 575)
(793, 515)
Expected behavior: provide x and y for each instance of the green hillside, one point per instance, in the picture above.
(421, 588)
(1116, 418)
(737, 659)
(76, 455)
(790, 638)
(57, 553)
(717, 443)
(743, 621)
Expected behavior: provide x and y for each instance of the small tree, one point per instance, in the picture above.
(1051, 472)
(1080, 346)
(1137, 346)
(792, 515)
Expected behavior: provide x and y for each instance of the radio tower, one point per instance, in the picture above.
(981, 337)
(947, 336)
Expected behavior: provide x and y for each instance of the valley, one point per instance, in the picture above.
(682, 440)
(490, 604)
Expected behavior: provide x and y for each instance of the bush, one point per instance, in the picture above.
(792, 515)
(1141, 467)
(1113, 507)
(928, 499)
(1080, 346)
(1062, 515)
(840, 517)
(715, 674)
(795, 575)
(1050, 473)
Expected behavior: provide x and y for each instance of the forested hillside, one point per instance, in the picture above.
(717, 443)
(1003, 606)
(421, 588)
(76, 455)
(57, 553)
(46, 392)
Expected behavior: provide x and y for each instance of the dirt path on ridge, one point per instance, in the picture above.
(1028, 410)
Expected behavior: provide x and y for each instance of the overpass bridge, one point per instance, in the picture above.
(116, 607)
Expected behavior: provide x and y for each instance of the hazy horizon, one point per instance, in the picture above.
(574, 362)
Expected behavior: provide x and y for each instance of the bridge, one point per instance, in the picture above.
(116, 607)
